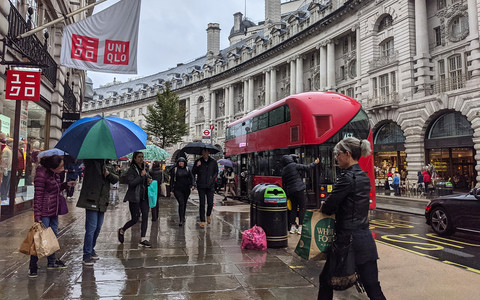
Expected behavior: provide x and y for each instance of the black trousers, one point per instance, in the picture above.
(135, 209)
(182, 198)
(368, 273)
(208, 193)
(298, 201)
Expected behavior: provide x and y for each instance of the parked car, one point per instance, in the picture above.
(454, 212)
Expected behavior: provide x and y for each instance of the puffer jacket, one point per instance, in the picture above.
(95, 194)
(350, 200)
(46, 199)
(291, 180)
(206, 172)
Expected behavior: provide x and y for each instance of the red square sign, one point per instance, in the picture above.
(84, 48)
(23, 85)
(116, 52)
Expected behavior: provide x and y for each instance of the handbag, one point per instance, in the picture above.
(152, 194)
(317, 235)
(163, 189)
(62, 205)
(28, 245)
(46, 242)
(342, 272)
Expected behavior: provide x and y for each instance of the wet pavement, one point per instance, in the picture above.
(191, 262)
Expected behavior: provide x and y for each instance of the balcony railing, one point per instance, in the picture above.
(69, 99)
(383, 101)
(30, 47)
(383, 60)
(449, 84)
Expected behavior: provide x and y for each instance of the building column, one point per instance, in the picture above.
(267, 87)
(293, 80)
(323, 67)
(245, 96)
(226, 91)
(231, 104)
(415, 151)
(474, 47)
(213, 106)
(299, 81)
(422, 57)
(330, 66)
(273, 85)
(250, 95)
(358, 50)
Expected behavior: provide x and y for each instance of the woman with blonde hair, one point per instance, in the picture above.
(349, 201)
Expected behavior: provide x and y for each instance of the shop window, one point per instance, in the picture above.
(388, 134)
(450, 125)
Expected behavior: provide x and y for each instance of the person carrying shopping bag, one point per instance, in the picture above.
(294, 187)
(349, 201)
(137, 197)
(181, 182)
(48, 204)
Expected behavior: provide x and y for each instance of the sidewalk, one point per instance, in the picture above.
(201, 263)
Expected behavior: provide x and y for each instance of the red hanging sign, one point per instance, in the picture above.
(23, 85)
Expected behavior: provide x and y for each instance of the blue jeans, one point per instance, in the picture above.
(47, 222)
(93, 225)
(5, 185)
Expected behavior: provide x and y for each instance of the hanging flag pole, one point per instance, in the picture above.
(29, 33)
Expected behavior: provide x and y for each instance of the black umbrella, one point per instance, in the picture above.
(197, 147)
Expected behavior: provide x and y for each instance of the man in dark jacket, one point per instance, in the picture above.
(94, 197)
(295, 189)
(206, 170)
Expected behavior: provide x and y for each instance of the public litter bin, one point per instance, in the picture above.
(444, 188)
(268, 209)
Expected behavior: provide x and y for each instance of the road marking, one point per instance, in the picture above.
(415, 235)
(390, 237)
(458, 253)
(409, 250)
(455, 241)
(462, 266)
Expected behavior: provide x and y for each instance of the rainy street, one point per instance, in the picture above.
(190, 262)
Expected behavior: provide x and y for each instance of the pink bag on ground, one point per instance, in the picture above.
(254, 239)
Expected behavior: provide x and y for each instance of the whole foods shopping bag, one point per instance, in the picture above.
(28, 244)
(46, 242)
(317, 235)
(152, 194)
(254, 239)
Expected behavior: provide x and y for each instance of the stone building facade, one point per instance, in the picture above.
(413, 65)
(62, 90)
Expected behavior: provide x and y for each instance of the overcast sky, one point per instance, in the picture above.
(175, 31)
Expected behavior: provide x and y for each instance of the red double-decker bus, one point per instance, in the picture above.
(307, 125)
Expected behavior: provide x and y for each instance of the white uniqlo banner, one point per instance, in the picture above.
(104, 42)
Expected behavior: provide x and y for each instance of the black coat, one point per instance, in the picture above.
(206, 173)
(349, 201)
(137, 185)
(157, 174)
(181, 178)
(291, 179)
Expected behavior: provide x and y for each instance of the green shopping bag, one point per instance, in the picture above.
(152, 194)
(317, 235)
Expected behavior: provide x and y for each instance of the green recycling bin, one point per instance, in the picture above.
(268, 209)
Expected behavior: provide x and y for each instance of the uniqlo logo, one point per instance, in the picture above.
(23, 85)
(84, 48)
(116, 52)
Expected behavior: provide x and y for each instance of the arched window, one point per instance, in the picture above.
(389, 133)
(450, 125)
(200, 100)
(386, 22)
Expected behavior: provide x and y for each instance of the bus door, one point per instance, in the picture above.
(243, 177)
(311, 177)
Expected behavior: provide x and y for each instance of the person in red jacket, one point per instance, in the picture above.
(47, 203)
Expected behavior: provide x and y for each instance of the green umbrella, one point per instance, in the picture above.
(152, 152)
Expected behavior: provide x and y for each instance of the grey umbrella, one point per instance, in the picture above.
(197, 147)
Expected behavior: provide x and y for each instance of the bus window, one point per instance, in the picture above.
(255, 124)
(263, 121)
(358, 127)
(275, 161)
(276, 116)
(261, 163)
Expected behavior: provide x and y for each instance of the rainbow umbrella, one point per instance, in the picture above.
(102, 137)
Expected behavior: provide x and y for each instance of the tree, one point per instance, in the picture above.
(166, 119)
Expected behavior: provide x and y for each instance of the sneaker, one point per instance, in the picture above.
(202, 224)
(32, 273)
(145, 244)
(299, 230)
(209, 219)
(57, 265)
(293, 229)
(95, 256)
(121, 235)
(88, 261)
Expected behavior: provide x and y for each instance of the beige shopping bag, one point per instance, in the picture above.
(46, 242)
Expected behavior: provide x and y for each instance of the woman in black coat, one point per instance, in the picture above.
(156, 174)
(181, 181)
(349, 201)
(137, 197)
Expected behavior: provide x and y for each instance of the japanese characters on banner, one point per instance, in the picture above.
(23, 85)
(104, 42)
